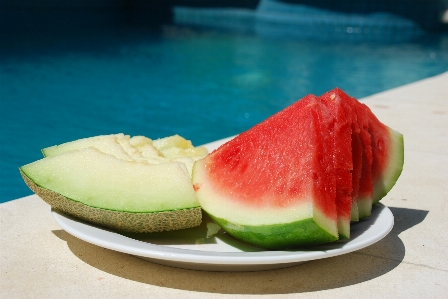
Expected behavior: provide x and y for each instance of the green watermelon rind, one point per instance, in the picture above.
(270, 228)
(394, 167)
(295, 234)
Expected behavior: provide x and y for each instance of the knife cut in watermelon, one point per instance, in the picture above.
(274, 186)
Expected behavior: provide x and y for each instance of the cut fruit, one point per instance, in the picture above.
(138, 148)
(365, 191)
(345, 119)
(387, 157)
(356, 173)
(117, 188)
(108, 144)
(383, 155)
(274, 185)
(361, 154)
(301, 176)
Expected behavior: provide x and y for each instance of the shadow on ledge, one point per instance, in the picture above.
(330, 273)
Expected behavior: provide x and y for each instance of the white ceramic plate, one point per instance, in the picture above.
(193, 249)
(209, 248)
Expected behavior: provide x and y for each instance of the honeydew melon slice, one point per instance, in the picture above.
(138, 148)
(123, 195)
(274, 185)
(146, 148)
(172, 141)
(105, 143)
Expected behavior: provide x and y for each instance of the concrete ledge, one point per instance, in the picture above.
(40, 260)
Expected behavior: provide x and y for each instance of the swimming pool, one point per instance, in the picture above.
(204, 85)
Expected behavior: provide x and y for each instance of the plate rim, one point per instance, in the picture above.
(115, 241)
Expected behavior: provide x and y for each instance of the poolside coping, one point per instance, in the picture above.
(38, 259)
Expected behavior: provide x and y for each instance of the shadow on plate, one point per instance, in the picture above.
(207, 233)
(329, 273)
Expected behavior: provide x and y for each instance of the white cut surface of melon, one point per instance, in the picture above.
(105, 143)
(172, 141)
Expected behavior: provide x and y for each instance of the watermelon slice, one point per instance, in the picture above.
(345, 119)
(387, 157)
(361, 152)
(274, 186)
(301, 176)
(365, 193)
(357, 157)
(382, 155)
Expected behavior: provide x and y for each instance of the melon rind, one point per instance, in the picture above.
(263, 189)
(122, 195)
(119, 220)
(270, 228)
(394, 167)
(103, 181)
(283, 236)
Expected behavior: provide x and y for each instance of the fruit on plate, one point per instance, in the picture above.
(299, 177)
(357, 144)
(345, 124)
(274, 185)
(137, 148)
(387, 157)
(108, 144)
(382, 154)
(119, 182)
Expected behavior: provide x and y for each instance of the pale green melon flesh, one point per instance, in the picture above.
(102, 181)
(122, 221)
(105, 143)
(364, 207)
(394, 168)
(354, 212)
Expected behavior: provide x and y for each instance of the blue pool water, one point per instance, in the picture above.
(204, 85)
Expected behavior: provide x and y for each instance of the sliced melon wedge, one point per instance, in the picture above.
(119, 182)
(391, 170)
(106, 143)
(274, 185)
(123, 195)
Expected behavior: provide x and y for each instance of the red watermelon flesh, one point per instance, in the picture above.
(357, 150)
(387, 156)
(362, 150)
(274, 185)
(365, 193)
(345, 119)
(382, 158)
(287, 181)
